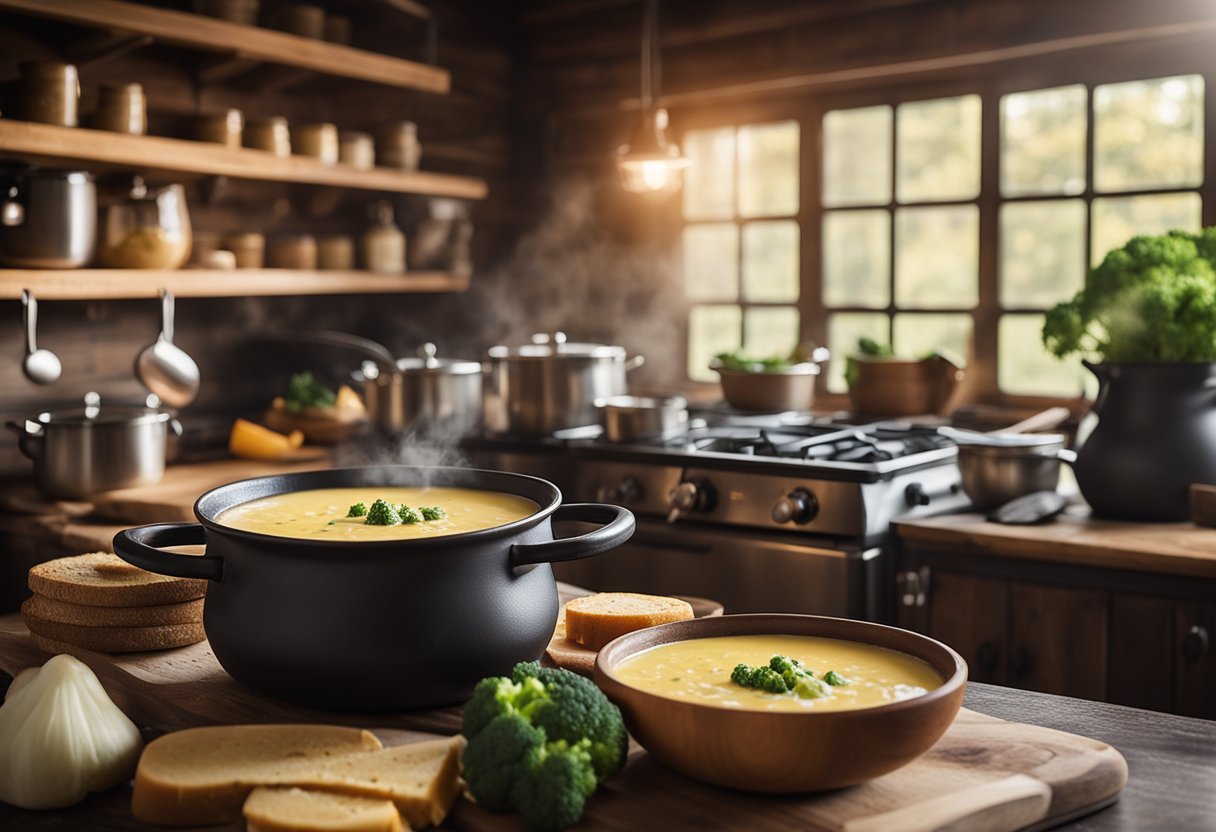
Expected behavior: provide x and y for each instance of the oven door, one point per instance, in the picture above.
(746, 571)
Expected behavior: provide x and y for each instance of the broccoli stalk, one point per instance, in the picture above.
(539, 743)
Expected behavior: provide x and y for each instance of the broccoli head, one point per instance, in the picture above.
(408, 516)
(554, 787)
(433, 513)
(495, 758)
(382, 514)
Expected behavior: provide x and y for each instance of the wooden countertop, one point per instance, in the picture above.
(1076, 539)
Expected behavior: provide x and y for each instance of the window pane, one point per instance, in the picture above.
(844, 328)
(1148, 134)
(1117, 219)
(1025, 368)
(770, 330)
(1043, 142)
(937, 257)
(918, 335)
(709, 185)
(711, 330)
(857, 258)
(768, 170)
(711, 261)
(938, 154)
(857, 157)
(1042, 252)
(770, 261)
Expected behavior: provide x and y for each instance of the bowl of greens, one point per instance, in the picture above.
(770, 384)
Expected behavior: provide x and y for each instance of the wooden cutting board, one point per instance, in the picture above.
(985, 773)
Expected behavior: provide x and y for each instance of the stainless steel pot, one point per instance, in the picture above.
(551, 385)
(998, 468)
(434, 395)
(634, 418)
(48, 219)
(84, 451)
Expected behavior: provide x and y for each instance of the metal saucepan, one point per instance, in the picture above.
(427, 393)
(772, 391)
(377, 625)
(999, 468)
(635, 418)
(81, 452)
(48, 219)
(552, 385)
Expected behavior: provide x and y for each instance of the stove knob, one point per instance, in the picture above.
(689, 496)
(799, 506)
(626, 491)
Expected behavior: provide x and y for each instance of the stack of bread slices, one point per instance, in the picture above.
(100, 602)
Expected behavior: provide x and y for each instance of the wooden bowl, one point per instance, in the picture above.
(783, 752)
(317, 429)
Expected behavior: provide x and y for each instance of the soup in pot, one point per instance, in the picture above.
(326, 513)
(700, 670)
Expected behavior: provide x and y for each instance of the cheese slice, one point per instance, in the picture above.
(274, 809)
(595, 620)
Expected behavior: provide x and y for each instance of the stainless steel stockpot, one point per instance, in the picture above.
(48, 219)
(634, 418)
(427, 393)
(81, 452)
(551, 385)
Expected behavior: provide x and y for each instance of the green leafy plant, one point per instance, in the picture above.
(866, 348)
(1152, 300)
(304, 391)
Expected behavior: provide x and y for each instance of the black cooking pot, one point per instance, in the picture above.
(377, 625)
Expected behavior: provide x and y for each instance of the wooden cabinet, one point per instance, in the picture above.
(1081, 633)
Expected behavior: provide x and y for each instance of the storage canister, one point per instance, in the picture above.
(48, 92)
(221, 128)
(397, 145)
(122, 108)
(317, 140)
(269, 134)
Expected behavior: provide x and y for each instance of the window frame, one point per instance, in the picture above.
(1088, 67)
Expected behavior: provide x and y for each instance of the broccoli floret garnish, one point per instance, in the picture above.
(382, 514)
(786, 675)
(408, 516)
(433, 513)
(759, 678)
(357, 510)
(835, 679)
(808, 687)
(539, 743)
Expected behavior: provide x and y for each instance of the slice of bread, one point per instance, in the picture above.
(595, 620)
(274, 809)
(102, 579)
(202, 775)
(187, 612)
(115, 639)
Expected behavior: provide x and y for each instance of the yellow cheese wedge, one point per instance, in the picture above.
(595, 620)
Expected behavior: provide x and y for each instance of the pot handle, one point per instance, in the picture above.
(142, 545)
(29, 438)
(618, 528)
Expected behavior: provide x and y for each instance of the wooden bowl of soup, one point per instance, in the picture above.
(310, 603)
(673, 683)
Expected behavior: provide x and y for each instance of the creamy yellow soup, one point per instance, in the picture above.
(320, 514)
(698, 670)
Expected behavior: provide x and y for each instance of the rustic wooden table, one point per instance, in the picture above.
(1172, 762)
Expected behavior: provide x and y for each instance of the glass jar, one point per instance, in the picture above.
(148, 229)
(397, 145)
(48, 92)
(121, 108)
(269, 134)
(383, 244)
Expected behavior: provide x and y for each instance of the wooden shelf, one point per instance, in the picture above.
(28, 140)
(247, 42)
(112, 284)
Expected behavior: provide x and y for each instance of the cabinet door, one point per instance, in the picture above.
(1195, 659)
(1142, 651)
(971, 615)
(1058, 640)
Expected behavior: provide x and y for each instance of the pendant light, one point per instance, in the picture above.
(651, 163)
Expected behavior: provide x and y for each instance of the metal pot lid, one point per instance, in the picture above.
(556, 346)
(642, 403)
(94, 414)
(1003, 441)
(427, 362)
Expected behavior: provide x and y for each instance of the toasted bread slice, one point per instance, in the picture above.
(116, 639)
(202, 775)
(275, 809)
(187, 612)
(101, 579)
(595, 620)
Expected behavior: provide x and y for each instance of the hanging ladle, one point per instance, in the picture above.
(165, 369)
(40, 366)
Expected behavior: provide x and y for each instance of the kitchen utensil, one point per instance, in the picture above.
(998, 468)
(550, 385)
(772, 391)
(1047, 419)
(147, 229)
(270, 134)
(630, 418)
(351, 626)
(121, 108)
(164, 368)
(892, 387)
(220, 128)
(39, 366)
(356, 149)
(426, 394)
(784, 752)
(80, 452)
(1030, 509)
(319, 141)
(48, 92)
(48, 219)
